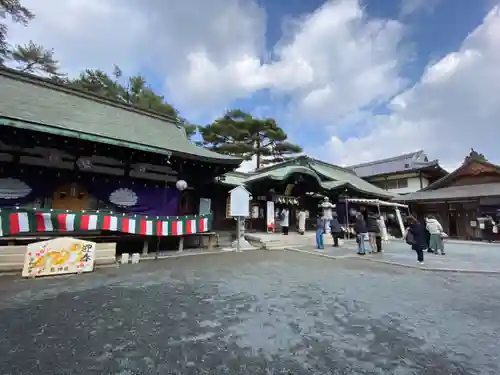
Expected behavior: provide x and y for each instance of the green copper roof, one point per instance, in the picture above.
(329, 176)
(348, 177)
(281, 174)
(38, 104)
(234, 178)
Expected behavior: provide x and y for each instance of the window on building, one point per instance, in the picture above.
(399, 183)
(392, 184)
(380, 184)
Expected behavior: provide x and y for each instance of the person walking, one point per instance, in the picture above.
(301, 216)
(488, 229)
(373, 231)
(415, 237)
(320, 230)
(335, 229)
(285, 221)
(427, 238)
(435, 229)
(383, 229)
(361, 230)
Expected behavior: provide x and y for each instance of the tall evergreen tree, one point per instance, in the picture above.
(19, 14)
(238, 133)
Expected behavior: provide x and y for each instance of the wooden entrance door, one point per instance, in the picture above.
(70, 197)
(453, 224)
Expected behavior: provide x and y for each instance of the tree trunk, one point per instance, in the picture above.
(258, 155)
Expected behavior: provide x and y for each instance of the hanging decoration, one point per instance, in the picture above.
(13, 188)
(136, 199)
(281, 199)
(181, 185)
(13, 222)
(123, 197)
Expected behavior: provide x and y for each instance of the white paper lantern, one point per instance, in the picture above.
(181, 185)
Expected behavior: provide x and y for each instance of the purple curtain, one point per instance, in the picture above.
(135, 199)
(129, 198)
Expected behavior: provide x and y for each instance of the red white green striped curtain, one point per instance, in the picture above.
(13, 222)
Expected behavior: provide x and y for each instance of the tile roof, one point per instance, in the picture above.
(30, 100)
(453, 192)
(401, 163)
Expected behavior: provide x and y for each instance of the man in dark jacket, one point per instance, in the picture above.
(361, 230)
(335, 229)
(416, 238)
(373, 231)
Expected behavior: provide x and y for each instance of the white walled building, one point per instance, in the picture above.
(402, 174)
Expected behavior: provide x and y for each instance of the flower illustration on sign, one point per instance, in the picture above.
(13, 188)
(123, 197)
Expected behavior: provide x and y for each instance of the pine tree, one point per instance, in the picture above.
(35, 59)
(18, 14)
(132, 90)
(240, 134)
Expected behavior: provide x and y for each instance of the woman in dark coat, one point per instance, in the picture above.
(373, 231)
(416, 237)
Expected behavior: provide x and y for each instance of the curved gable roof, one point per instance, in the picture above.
(334, 176)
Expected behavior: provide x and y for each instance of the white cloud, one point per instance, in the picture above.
(409, 7)
(204, 49)
(453, 108)
(248, 165)
(331, 62)
(334, 65)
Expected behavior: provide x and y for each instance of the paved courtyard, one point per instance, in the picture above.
(460, 255)
(256, 312)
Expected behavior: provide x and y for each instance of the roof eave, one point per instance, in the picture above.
(57, 130)
(411, 170)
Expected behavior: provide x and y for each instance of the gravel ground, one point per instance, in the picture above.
(255, 312)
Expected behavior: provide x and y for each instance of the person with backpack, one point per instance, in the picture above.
(415, 237)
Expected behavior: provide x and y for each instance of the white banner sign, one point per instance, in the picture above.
(270, 218)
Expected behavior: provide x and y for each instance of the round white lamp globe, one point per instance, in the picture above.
(181, 185)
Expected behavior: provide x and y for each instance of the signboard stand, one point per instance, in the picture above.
(239, 209)
(238, 233)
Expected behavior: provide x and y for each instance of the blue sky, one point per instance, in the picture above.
(349, 80)
(432, 33)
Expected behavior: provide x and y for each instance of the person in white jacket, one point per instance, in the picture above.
(435, 229)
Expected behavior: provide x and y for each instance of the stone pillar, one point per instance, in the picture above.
(243, 242)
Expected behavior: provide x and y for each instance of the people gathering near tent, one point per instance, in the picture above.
(372, 228)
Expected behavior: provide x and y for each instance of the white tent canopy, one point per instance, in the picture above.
(378, 203)
(375, 202)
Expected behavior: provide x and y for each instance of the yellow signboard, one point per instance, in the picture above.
(59, 256)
